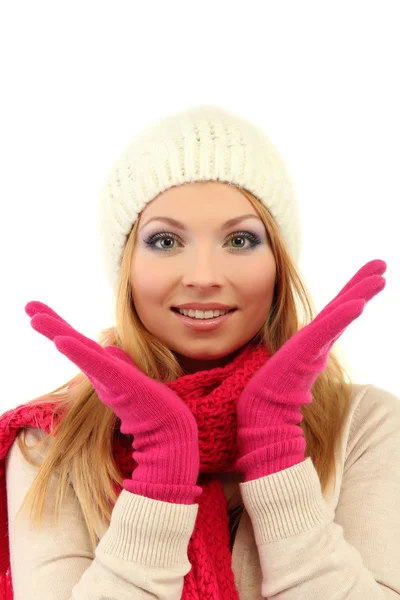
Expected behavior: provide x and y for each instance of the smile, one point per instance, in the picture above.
(205, 322)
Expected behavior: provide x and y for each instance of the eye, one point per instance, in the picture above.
(160, 236)
(246, 235)
(152, 240)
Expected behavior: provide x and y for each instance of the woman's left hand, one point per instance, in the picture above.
(269, 438)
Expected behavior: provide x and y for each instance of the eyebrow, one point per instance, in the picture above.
(179, 225)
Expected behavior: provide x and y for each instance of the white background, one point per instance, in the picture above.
(79, 79)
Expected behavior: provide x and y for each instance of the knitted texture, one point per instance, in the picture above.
(165, 431)
(201, 143)
(212, 397)
(268, 412)
(247, 414)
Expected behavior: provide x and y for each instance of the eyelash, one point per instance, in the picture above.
(151, 240)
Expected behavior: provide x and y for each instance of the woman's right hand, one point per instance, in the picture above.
(166, 447)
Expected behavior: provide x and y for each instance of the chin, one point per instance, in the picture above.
(210, 353)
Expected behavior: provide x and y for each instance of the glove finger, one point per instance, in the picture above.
(101, 369)
(47, 322)
(300, 360)
(297, 358)
(365, 289)
(117, 352)
(34, 307)
(321, 338)
(51, 327)
(373, 267)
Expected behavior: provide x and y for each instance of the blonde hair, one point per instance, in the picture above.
(80, 445)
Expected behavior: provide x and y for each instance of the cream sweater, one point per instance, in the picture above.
(291, 544)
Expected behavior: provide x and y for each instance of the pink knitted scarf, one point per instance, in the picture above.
(211, 396)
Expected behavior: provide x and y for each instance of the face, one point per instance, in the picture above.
(203, 261)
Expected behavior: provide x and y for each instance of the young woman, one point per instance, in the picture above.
(212, 445)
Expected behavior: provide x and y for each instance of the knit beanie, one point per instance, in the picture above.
(201, 143)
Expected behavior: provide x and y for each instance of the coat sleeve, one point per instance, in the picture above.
(306, 549)
(142, 554)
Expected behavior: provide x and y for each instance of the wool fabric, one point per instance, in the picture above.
(201, 143)
(211, 395)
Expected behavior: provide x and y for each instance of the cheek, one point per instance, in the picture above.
(257, 281)
(146, 290)
(147, 285)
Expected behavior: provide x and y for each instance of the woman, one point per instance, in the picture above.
(212, 445)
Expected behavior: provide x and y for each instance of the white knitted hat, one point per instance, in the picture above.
(201, 143)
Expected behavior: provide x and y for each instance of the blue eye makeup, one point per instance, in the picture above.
(151, 241)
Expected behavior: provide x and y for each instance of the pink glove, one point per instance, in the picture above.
(165, 444)
(269, 438)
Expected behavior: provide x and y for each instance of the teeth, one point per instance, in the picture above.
(201, 314)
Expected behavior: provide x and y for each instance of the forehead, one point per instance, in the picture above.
(210, 197)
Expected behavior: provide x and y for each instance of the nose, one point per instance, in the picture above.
(202, 270)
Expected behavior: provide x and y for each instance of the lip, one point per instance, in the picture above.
(203, 306)
(203, 324)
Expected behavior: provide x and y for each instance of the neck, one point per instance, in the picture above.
(192, 365)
